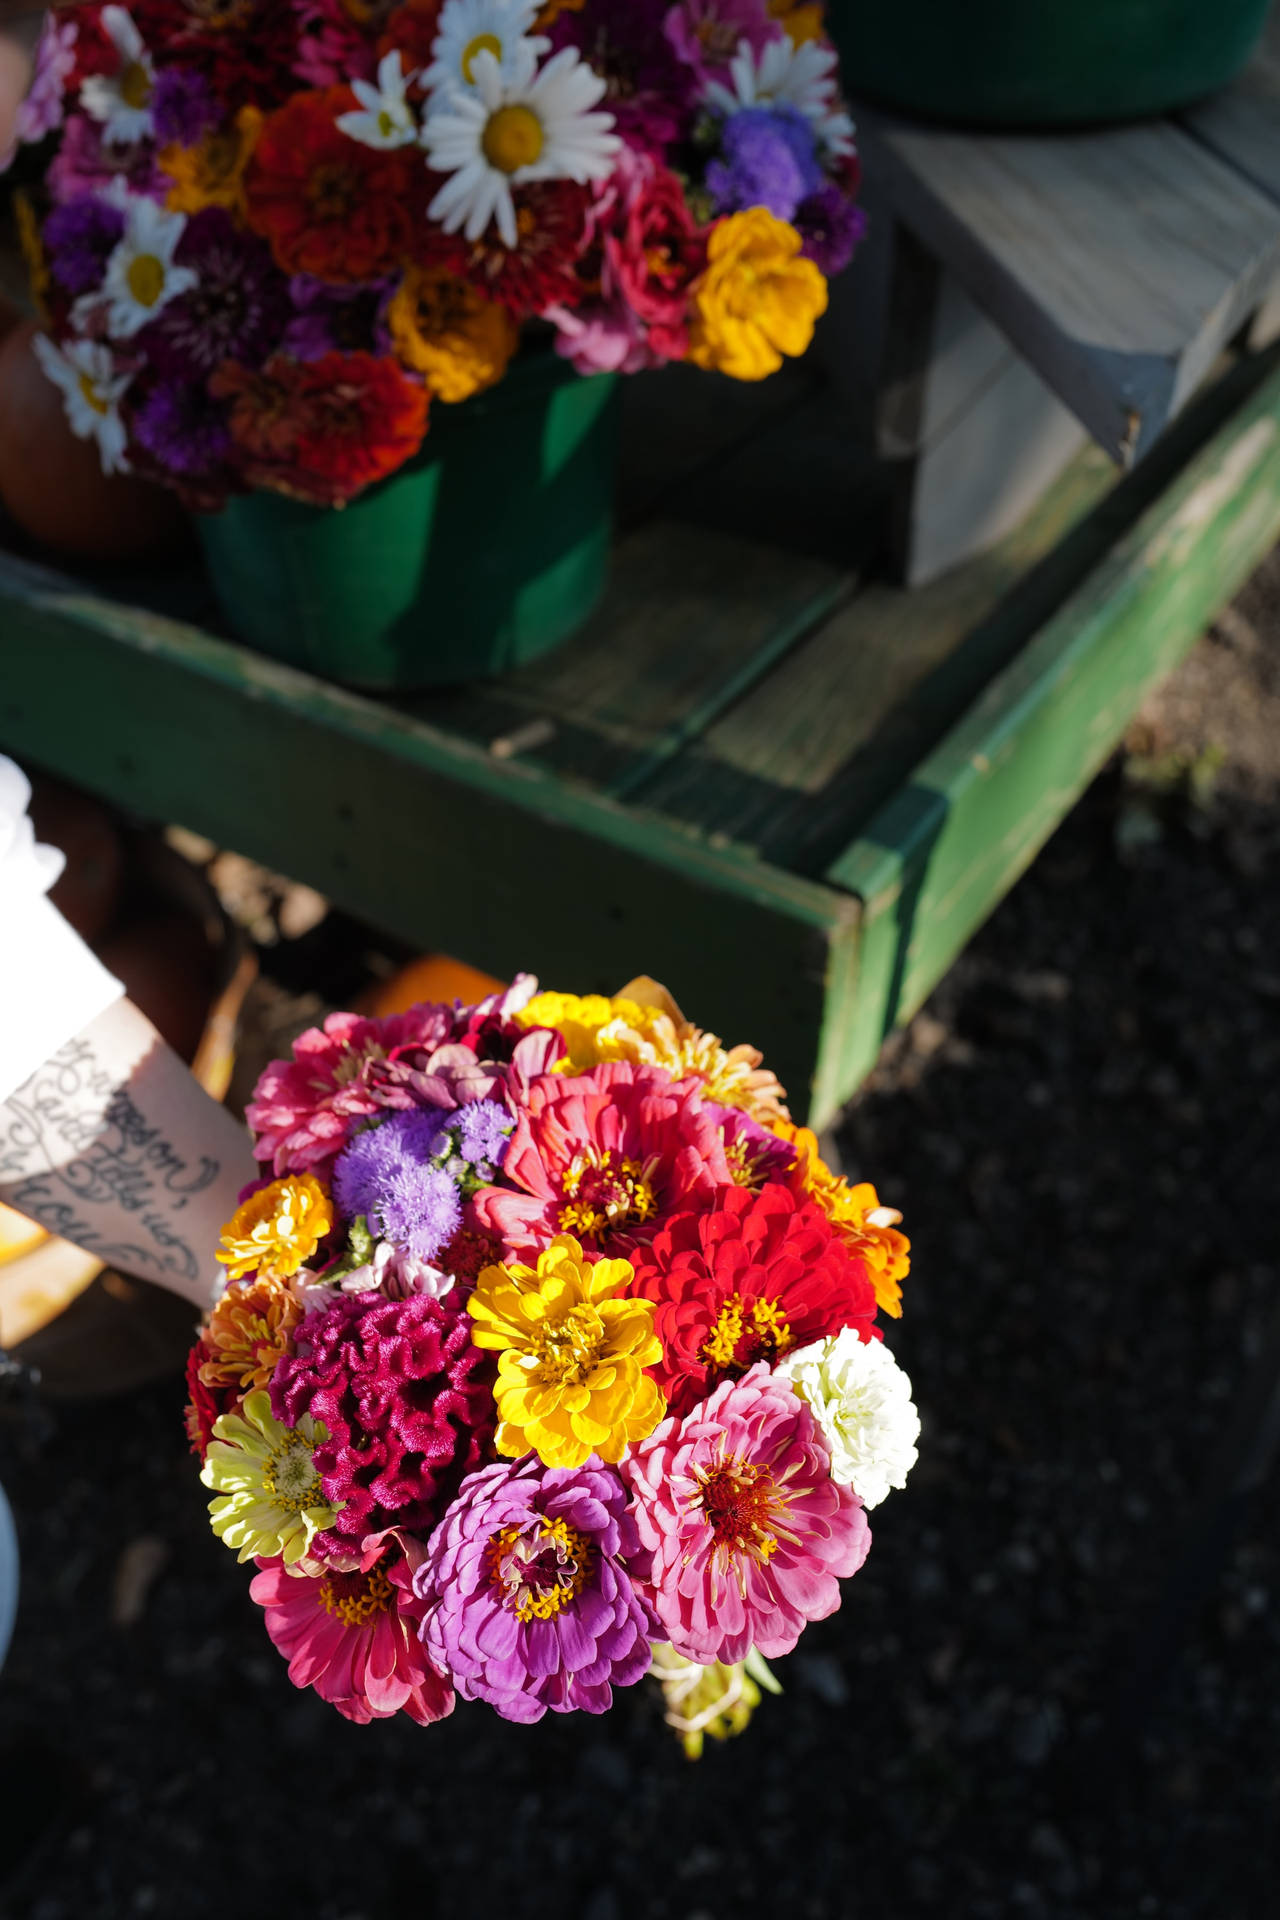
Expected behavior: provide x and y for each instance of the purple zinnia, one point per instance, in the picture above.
(333, 319)
(530, 1604)
(183, 107)
(237, 312)
(386, 1174)
(768, 161)
(80, 236)
(754, 1154)
(648, 89)
(830, 226)
(183, 429)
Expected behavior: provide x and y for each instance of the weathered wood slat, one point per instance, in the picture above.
(1242, 124)
(937, 858)
(1118, 263)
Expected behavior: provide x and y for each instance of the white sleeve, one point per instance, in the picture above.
(51, 985)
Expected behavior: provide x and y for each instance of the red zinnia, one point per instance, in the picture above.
(540, 271)
(329, 205)
(749, 1280)
(205, 1403)
(324, 430)
(243, 48)
(411, 31)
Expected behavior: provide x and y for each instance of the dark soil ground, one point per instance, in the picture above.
(1082, 1131)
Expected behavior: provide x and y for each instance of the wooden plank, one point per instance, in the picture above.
(951, 842)
(419, 833)
(1118, 263)
(1242, 123)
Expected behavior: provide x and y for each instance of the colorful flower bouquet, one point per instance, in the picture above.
(272, 233)
(548, 1358)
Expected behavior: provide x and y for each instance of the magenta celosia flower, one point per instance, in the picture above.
(744, 1535)
(407, 1402)
(304, 1110)
(706, 33)
(354, 1636)
(607, 1156)
(529, 1602)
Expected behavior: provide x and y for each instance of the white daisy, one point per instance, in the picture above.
(536, 125)
(388, 120)
(92, 388)
(785, 75)
(122, 100)
(142, 276)
(471, 27)
(861, 1398)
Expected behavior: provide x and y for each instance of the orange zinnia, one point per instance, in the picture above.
(867, 1228)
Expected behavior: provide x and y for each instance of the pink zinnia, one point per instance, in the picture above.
(332, 49)
(304, 1110)
(607, 1156)
(354, 1637)
(745, 1536)
(706, 33)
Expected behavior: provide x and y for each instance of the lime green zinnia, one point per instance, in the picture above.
(271, 1501)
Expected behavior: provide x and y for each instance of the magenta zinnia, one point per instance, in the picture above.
(407, 1403)
(744, 1534)
(607, 1156)
(531, 1605)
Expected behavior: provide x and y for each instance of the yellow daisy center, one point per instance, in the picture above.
(540, 1570)
(356, 1598)
(289, 1475)
(135, 85)
(482, 43)
(146, 277)
(90, 395)
(603, 1192)
(512, 138)
(740, 1501)
(744, 1333)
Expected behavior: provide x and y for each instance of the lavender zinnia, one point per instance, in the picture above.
(530, 1604)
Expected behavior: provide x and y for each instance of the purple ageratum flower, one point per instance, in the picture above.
(333, 319)
(530, 1604)
(386, 1174)
(483, 1131)
(183, 429)
(183, 107)
(649, 89)
(238, 311)
(79, 237)
(87, 163)
(830, 226)
(769, 160)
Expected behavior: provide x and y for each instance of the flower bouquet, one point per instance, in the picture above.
(548, 1358)
(278, 241)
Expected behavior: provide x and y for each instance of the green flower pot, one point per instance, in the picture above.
(487, 549)
(1042, 63)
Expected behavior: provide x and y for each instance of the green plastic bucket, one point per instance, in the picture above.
(1041, 63)
(487, 549)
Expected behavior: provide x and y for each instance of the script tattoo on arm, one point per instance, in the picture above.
(80, 1156)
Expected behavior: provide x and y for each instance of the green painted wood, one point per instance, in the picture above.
(940, 854)
(416, 831)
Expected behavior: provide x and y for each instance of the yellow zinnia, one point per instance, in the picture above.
(271, 1501)
(800, 20)
(867, 1228)
(447, 331)
(571, 1356)
(758, 299)
(211, 174)
(279, 1227)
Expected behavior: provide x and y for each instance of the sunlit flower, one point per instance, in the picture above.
(571, 1355)
(142, 274)
(446, 330)
(714, 1699)
(122, 100)
(471, 27)
(861, 1399)
(867, 1228)
(92, 387)
(384, 118)
(757, 301)
(248, 1332)
(535, 125)
(781, 74)
(270, 1499)
(278, 1227)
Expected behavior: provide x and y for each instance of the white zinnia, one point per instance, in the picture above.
(142, 275)
(387, 119)
(121, 101)
(784, 75)
(92, 388)
(861, 1399)
(537, 125)
(471, 27)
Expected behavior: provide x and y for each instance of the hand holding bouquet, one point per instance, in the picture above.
(548, 1356)
(274, 233)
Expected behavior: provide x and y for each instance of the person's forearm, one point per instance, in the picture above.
(113, 1145)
